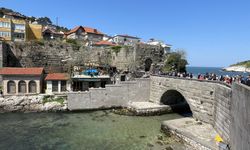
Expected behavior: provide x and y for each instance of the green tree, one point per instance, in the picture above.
(175, 61)
(44, 21)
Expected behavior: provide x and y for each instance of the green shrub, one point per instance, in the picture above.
(116, 49)
(49, 98)
(72, 41)
(248, 64)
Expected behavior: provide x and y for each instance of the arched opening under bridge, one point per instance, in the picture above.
(177, 102)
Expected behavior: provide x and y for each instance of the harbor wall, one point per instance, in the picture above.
(117, 95)
(240, 112)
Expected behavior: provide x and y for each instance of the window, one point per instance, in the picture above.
(32, 87)
(4, 34)
(63, 86)
(22, 87)
(5, 24)
(18, 35)
(11, 87)
(54, 86)
(19, 27)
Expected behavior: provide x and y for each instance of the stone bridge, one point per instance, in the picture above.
(223, 106)
(219, 104)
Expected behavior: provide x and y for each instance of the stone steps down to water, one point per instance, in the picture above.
(197, 134)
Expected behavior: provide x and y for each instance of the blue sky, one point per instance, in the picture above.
(214, 33)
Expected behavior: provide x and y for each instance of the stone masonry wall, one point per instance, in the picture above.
(111, 96)
(222, 116)
(59, 56)
(240, 112)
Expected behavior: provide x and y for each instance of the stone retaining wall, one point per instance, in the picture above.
(111, 96)
(240, 113)
(222, 116)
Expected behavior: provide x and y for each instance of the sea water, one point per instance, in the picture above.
(98, 130)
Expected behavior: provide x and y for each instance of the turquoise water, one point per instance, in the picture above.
(216, 70)
(91, 131)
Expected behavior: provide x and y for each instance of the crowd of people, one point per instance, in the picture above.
(212, 76)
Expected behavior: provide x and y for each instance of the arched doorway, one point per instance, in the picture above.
(21, 87)
(176, 101)
(11, 87)
(32, 87)
(148, 63)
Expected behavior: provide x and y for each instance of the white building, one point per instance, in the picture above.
(125, 40)
(57, 83)
(166, 47)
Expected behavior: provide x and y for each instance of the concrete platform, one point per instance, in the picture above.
(142, 108)
(198, 135)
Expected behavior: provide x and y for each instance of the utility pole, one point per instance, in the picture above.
(57, 21)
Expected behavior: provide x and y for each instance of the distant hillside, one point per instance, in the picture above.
(42, 20)
(243, 63)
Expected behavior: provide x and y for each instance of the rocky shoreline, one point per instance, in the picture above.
(33, 103)
(237, 69)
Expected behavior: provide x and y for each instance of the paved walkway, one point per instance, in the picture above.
(194, 132)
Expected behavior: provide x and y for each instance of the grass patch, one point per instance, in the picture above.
(49, 98)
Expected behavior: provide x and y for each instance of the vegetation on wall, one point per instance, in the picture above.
(116, 49)
(74, 43)
(175, 61)
(39, 42)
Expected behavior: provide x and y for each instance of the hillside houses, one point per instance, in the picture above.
(86, 34)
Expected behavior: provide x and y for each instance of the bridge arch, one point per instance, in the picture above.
(176, 101)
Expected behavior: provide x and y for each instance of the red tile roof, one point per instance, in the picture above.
(21, 71)
(57, 76)
(86, 29)
(104, 43)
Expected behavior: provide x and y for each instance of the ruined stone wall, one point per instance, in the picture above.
(59, 56)
(153, 52)
(240, 112)
(111, 96)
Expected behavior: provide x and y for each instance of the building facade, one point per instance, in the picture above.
(20, 81)
(52, 34)
(19, 30)
(57, 83)
(167, 47)
(85, 34)
(90, 78)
